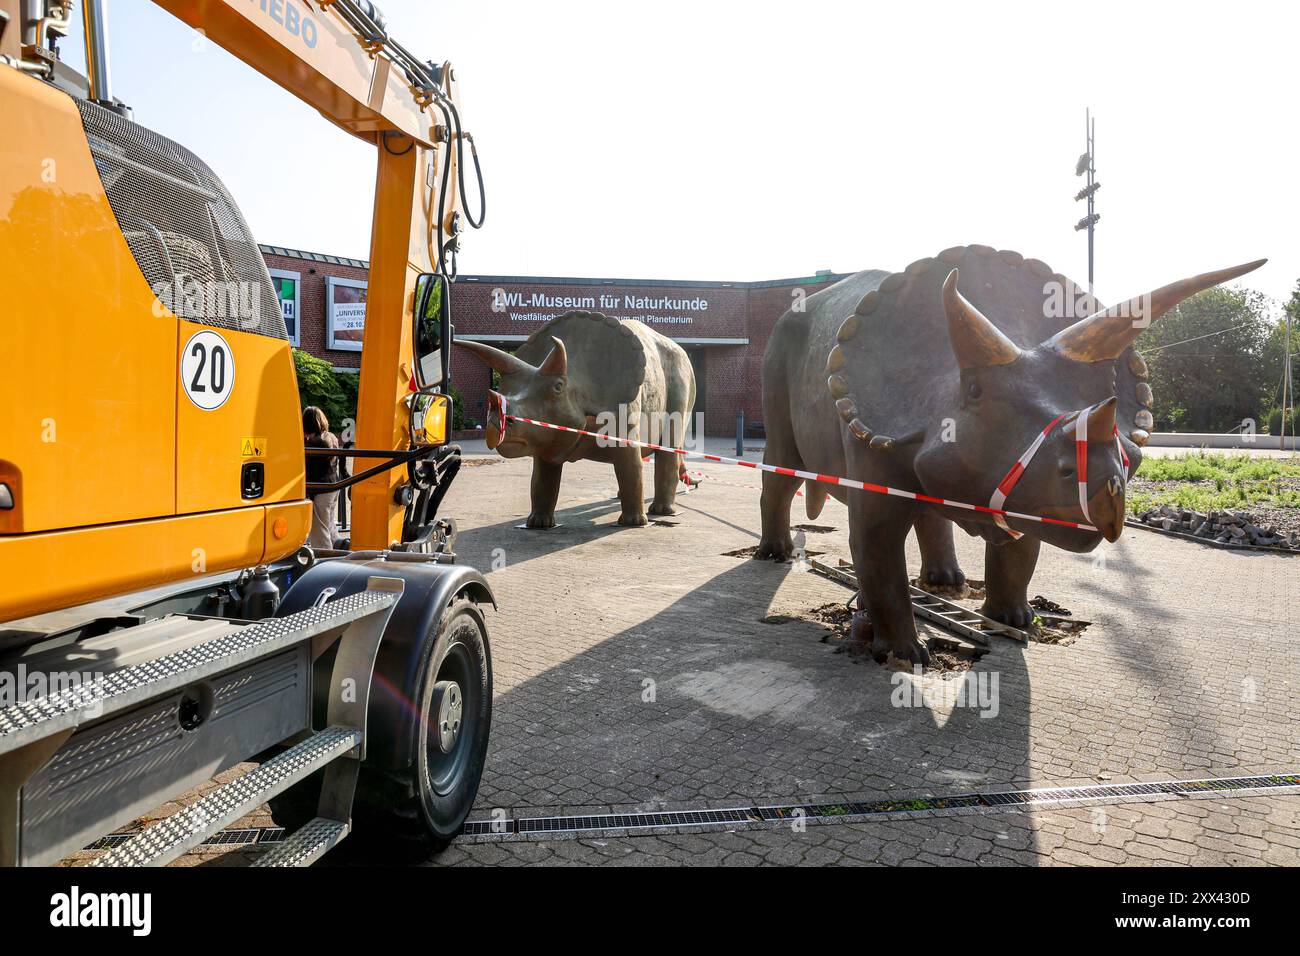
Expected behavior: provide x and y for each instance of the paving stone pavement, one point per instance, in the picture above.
(1248, 831)
(634, 671)
(1189, 667)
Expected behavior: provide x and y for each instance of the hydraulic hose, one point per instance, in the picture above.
(461, 136)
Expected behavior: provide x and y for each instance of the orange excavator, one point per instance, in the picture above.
(161, 620)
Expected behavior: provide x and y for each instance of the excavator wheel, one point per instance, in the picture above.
(407, 814)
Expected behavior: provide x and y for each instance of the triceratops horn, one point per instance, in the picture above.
(975, 340)
(1101, 421)
(557, 360)
(1105, 335)
(503, 362)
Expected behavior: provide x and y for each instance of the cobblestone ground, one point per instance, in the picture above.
(1190, 669)
(634, 671)
(1196, 832)
(1248, 831)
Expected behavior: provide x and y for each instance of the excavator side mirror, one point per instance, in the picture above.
(429, 416)
(431, 338)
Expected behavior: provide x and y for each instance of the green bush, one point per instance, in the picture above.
(332, 392)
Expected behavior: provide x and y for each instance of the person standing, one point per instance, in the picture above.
(322, 469)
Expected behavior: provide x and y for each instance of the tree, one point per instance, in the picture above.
(1207, 360)
(1274, 364)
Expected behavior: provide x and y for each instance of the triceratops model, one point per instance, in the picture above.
(978, 377)
(589, 371)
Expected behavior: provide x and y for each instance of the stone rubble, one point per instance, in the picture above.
(1234, 529)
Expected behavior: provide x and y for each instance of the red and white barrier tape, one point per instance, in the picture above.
(999, 497)
(699, 477)
(797, 473)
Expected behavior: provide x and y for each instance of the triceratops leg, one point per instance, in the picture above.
(631, 493)
(1007, 570)
(778, 490)
(545, 491)
(939, 567)
(774, 507)
(667, 469)
(878, 538)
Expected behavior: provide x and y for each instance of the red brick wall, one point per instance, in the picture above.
(733, 373)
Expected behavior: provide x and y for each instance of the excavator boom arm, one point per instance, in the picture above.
(333, 55)
(336, 56)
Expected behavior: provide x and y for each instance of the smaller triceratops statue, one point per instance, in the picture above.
(964, 379)
(586, 370)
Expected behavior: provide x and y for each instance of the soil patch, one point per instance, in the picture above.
(1054, 624)
(838, 621)
(950, 592)
(1062, 631)
(753, 550)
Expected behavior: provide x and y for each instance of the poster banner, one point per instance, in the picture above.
(345, 314)
(286, 289)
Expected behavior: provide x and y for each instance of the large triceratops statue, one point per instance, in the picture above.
(586, 370)
(978, 377)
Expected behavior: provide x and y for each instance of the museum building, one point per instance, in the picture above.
(723, 326)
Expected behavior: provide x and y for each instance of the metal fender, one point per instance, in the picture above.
(430, 589)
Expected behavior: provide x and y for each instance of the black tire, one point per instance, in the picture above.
(408, 814)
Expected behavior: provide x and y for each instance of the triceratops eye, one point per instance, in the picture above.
(973, 390)
(558, 387)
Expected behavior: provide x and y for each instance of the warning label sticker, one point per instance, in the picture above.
(252, 446)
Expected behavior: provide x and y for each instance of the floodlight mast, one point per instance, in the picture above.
(1087, 163)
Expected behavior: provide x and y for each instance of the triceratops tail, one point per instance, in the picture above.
(814, 497)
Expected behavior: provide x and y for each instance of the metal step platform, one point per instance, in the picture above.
(312, 841)
(233, 644)
(171, 704)
(166, 840)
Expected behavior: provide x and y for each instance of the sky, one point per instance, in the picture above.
(751, 140)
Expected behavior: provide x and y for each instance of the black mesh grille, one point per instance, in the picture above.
(183, 228)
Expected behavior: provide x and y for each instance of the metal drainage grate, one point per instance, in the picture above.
(635, 821)
(815, 811)
(612, 821)
(832, 811)
(232, 837)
